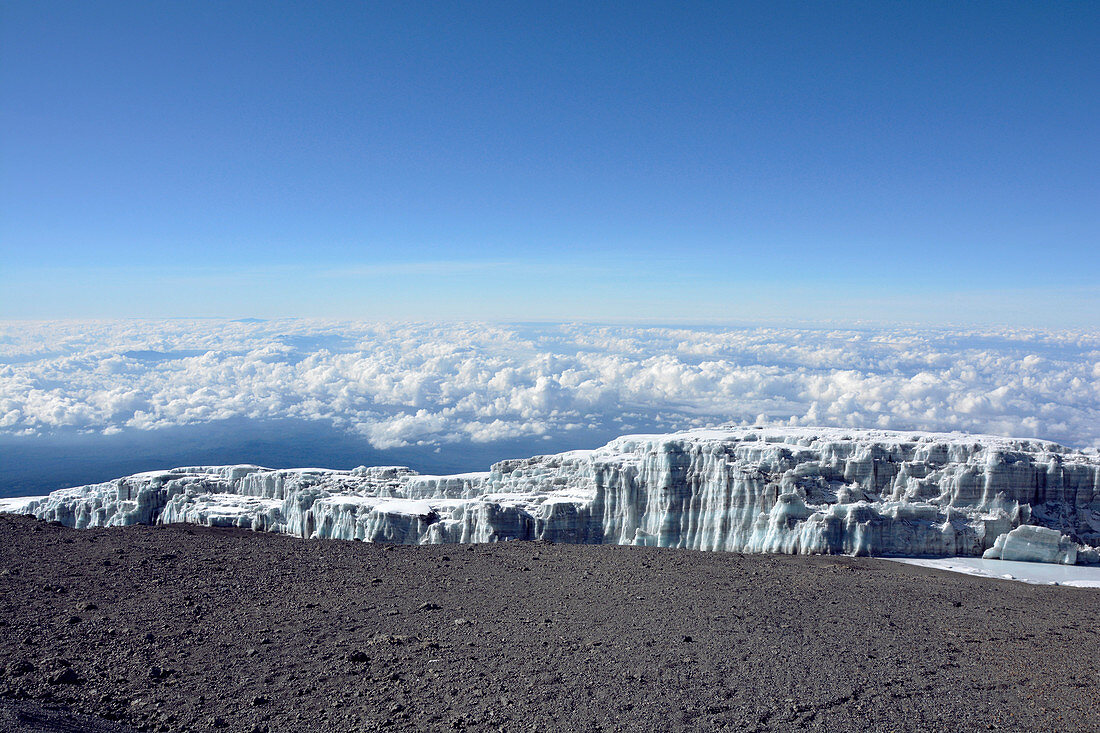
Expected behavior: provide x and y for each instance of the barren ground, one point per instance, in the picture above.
(192, 629)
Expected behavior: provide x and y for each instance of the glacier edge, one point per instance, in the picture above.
(784, 490)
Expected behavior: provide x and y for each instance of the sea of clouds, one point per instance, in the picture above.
(427, 384)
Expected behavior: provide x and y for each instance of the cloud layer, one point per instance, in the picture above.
(438, 384)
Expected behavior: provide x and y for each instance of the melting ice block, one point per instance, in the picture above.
(790, 490)
(1033, 544)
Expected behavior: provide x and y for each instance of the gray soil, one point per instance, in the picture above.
(192, 629)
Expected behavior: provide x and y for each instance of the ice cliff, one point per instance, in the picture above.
(796, 490)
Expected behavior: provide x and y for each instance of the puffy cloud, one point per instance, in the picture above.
(433, 384)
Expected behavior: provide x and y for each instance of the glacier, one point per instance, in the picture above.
(747, 489)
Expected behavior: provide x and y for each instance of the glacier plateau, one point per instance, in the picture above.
(749, 489)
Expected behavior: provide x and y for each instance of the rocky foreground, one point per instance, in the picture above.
(192, 629)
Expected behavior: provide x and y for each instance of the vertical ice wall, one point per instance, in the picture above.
(752, 490)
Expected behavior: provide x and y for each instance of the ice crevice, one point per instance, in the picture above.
(782, 490)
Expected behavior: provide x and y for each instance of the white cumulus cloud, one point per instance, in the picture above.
(434, 384)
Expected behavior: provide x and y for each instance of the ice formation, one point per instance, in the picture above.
(787, 490)
(1036, 573)
(1033, 544)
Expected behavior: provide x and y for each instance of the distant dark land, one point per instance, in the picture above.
(35, 465)
(177, 628)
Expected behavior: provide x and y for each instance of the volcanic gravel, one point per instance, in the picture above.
(193, 629)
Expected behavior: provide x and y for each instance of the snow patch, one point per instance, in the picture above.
(1078, 576)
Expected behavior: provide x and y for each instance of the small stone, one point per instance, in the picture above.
(15, 669)
(259, 700)
(428, 606)
(460, 621)
(687, 638)
(74, 620)
(358, 656)
(219, 722)
(87, 606)
(67, 676)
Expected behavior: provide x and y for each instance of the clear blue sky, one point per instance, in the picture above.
(684, 161)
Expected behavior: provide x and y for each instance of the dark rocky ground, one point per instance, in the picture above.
(177, 628)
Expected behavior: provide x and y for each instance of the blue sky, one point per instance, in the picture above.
(672, 161)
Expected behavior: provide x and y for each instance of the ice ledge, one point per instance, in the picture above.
(796, 490)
